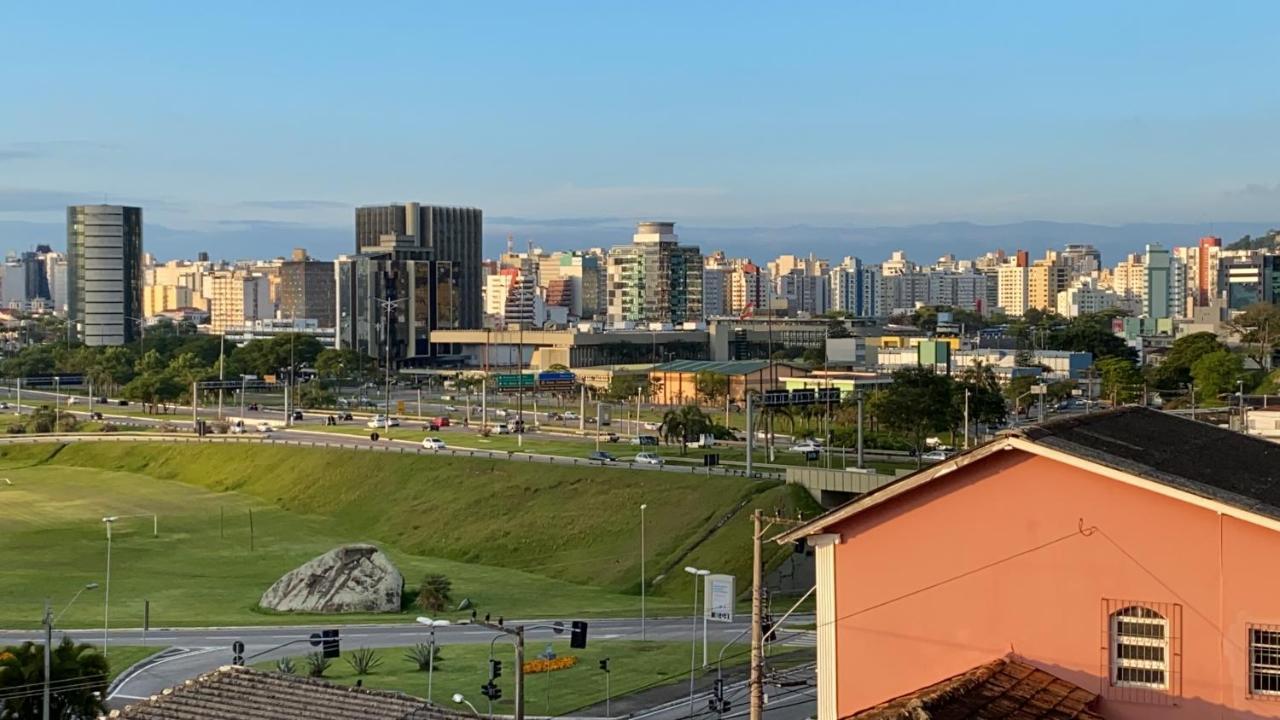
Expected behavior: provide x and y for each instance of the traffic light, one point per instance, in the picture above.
(604, 664)
(495, 670)
(717, 703)
(578, 637)
(766, 627)
(491, 691)
(331, 645)
(237, 653)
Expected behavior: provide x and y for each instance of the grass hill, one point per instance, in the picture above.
(515, 537)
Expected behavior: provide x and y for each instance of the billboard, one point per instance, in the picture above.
(718, 598)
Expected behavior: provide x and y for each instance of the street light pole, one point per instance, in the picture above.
(49, 620)
(697, 573)
(431, 657)
(643, 578)
(106, 592)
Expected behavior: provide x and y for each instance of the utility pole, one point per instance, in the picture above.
(756, 682)
(750, 433)
(860, 430)
(966, 418)
(48, 642)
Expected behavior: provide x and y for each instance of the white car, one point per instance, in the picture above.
(382, 421)
(237, 429)
(264, 427)
(450, 408)
(648, 459)
(571, 415)
(503, 429)
(651, 426)
(935, 456)
(432, 443)
(500, 412)
(806, 447)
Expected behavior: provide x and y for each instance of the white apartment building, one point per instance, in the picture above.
(1013, 288)
(1086, 296)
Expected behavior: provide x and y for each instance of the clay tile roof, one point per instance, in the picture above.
(1004, 689)
(238, 693)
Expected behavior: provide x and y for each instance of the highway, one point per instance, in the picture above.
(194, 651)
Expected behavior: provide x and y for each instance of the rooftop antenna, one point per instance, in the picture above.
(511, 244)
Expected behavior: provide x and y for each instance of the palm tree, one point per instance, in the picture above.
(78, 674)
(673, 427)
(684, 424)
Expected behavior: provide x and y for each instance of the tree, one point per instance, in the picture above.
(711, 385)
(1120, 378)
(1091, 333)
(1259, 325)
(986, 403)
(623, 387)
(684, 424)
(918, 402)
(837, 329)
(315, 395)
(434, 593)
(1175, 372)
(79, 672)
(1216, 374)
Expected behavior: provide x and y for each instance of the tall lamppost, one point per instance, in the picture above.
(388, 305)
(142, 333)
(49, 620)
(431, 658)
(697, 574)
(106, 591)
(644, 579)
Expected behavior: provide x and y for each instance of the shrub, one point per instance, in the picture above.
(285, 665)
(68, 423)
(434, 592)
(17, 429)
(317, 663)
(363, 661)
(110, 427)
(420, 655)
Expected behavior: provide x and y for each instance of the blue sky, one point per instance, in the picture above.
(729, 113)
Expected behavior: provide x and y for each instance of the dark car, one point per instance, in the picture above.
(297, 414)
(602, 456)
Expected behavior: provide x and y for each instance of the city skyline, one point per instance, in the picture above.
(858, 117)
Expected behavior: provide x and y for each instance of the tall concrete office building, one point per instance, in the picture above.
(104, 272)
(453, 234)
(307, 289)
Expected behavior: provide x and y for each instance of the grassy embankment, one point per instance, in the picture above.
(517, 539)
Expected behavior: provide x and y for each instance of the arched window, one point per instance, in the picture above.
(1139, 648)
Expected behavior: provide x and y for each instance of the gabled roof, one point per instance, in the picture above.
(239, 693)
(723, 367)
(1194, 461)
(1004, 689)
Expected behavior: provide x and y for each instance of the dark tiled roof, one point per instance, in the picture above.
(1203, 459)
(238, 693)
(1002, 689)
(724, 367)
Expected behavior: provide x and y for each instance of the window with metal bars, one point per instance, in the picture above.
(1139, 648)
(1264, 660)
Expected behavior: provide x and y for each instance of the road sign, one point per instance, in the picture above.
(556, 380)
(51, 380)
(806, 396)
(829, 395)
(776, 397)
(525, 381)
(718, 598)
(316, 639)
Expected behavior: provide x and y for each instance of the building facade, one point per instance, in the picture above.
(307, 291)
(238, 299)
(452, 234)
(655, 279)
(104, 272)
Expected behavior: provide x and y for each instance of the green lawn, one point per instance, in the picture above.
(633, 665)
(513, 537)
(122, 657)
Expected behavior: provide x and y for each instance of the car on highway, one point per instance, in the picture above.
(651, 426)
(936, 455)
(382, 421)
(433, 443)
(612, 437)
(571, 415)
(502, 429)
(72, 401)
(451, 408)
(237, 429)
(602, 457)
(554, 416)
(808, 446)
(500, 412)
(648, 458)
(264, 427)
(4, 406)
(645, 440)
(297, 414)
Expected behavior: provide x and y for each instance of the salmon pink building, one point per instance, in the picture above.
(1121, 565)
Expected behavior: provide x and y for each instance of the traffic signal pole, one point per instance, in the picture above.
(520, 673)
(756, 683)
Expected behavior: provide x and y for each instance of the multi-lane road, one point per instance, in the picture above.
(193, 651)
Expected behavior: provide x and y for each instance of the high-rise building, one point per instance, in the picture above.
(748, 289)
(237, 300)
(1084, 296)
(55, 270)
(391, 297)
(846, 280)
(655, 279)
(452, 234)
(1045, 278)
(104, 272)
(1166, 284)
(715, 292)
(1013, 295)
(1080, 260)
(307, 290)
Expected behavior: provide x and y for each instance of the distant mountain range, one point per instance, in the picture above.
(923, 243)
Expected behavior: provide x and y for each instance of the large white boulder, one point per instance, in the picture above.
(351, 578)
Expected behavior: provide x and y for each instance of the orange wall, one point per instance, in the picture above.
(956, 580)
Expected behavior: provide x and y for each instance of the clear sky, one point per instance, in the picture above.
(716, 112)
